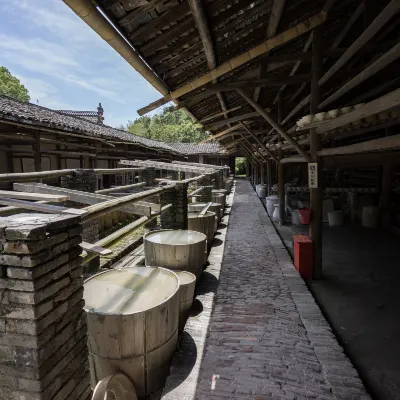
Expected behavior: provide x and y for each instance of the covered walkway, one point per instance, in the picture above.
(258, 333)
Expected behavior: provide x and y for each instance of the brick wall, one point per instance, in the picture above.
(43, 353)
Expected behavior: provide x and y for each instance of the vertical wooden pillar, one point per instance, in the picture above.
(281, 171)
(10, 160)
(385, 200)
(262, 174)
(269, 177)
(316, 194)
(38, 154)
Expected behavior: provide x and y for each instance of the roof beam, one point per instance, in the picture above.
(380, 21)
(219, 114)
(274, 124)
(273, 23)
(218, 124)
(199, 15)
(342, 34)
(261, 144)
(336, 43)
(383, 103)
(238, 61)
(383, 61)
(254, 83)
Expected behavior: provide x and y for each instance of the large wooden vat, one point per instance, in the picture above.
(132, 317)
(203, 223)
(187, 285)
(219, 198)
(214, 207)
(181, 250)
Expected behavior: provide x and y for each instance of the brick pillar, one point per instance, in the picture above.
(85, 180)
(43, 353)
(176, 216)
(81, 179)
(206, 193)
(148, 176)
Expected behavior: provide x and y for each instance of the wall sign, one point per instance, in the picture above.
(313, 175)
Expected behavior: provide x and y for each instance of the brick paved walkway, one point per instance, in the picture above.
(260, 335)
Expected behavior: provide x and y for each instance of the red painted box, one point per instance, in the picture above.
(303, 255)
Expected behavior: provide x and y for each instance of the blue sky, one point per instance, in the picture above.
(65, 65)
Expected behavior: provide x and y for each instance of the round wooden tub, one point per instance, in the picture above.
(204, 224)
(182, 250)
(132, 317)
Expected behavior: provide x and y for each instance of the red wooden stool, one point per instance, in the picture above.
(303, 255)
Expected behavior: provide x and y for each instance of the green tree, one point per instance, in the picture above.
(168, 126)
(11, 86)
(240, 166)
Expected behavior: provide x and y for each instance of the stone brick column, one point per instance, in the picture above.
(81, 179)
(206, 193)
(43, 353)
(85, 180)
(176, 216)
(148, 176)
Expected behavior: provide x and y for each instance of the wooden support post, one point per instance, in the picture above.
(385, 201)
(38, 154)
(281, 170)
(316, 194)
(269, 177)
(262, 174)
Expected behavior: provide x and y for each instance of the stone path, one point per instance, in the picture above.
(260, 334)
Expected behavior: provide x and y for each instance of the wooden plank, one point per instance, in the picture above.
(33, 196)
(204, 210)
(98, 210)
(240, 60)
(82, 197)
(121, 188)
(382, 103)
(389, 57)
(44, 208)
(95, 249)
(12, 209)
(385, 143)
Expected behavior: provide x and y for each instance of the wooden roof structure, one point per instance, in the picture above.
(238, 67)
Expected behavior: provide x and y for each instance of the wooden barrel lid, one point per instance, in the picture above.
(175, 237)
(129, 290)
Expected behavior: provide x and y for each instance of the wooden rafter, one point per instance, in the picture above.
(218, 124)
(219, 114)
(274, 124)
(242, 59)
(342, 34)
(383, 61)
(254, 83)
(380, 21)
(273, 23)
(272, 155)
(199, 15)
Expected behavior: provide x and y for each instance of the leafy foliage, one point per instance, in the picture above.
(240, 166)
(11, 86)
(168, 126)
